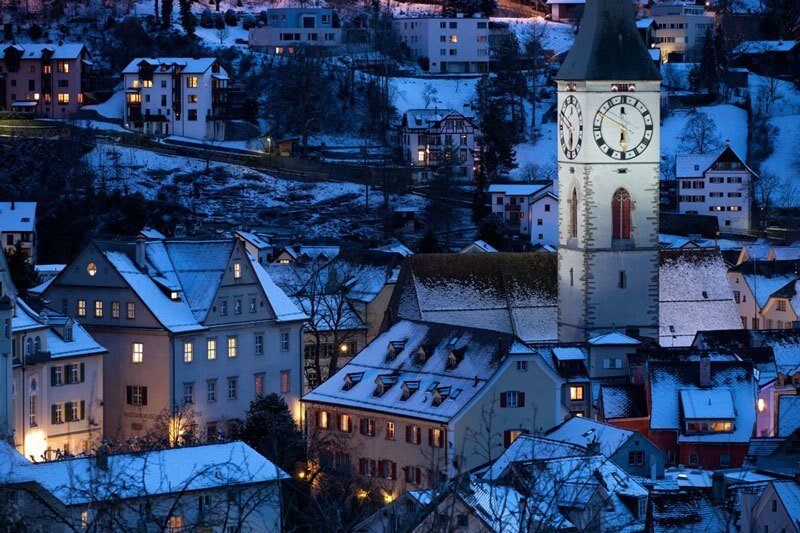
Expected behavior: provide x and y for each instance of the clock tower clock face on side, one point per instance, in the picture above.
(570, 127)
(623, 127)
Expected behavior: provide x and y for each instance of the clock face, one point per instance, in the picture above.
(570, 127)
(623, 127)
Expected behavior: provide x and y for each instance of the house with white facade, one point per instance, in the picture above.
(177, 96)
(219, 487)
(410, 411)
(531, 209)
(438, 141)
(58, 384)
(18, 224)
(567, 11)
(766, 293)
(680, 28)
(195, 324)
(453, 45)
(716, 184)
(291, 28)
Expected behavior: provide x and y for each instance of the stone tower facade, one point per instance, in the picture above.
(608, 178)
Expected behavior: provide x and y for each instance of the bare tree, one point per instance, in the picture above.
(700, 135)
(222, 34)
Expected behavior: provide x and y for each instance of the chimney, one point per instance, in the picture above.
(705, 370)
(102, 458)
(140, 249)
(13, 205)
(718, 488)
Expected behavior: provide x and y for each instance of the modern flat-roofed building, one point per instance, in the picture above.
(455, 45)
(680, 28)
(47, 80)
(289, 28)
(177, 96)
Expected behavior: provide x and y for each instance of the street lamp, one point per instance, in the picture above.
(269, 149)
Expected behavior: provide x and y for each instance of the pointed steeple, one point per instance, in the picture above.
(608, 46)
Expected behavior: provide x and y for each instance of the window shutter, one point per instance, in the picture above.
(406, 470)
(52, 376)
(68, 411)
(53, 414)
(67, 374)
(144, 395)
(82, 373)
(130, 395)
(394, 470)
(408, 433)
(521, 399)
(502, 399)
(83, 408)
(430, 436)
(506, 438)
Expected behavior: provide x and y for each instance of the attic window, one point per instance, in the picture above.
(409, 388)
(455, 357)
(395, 347)
(384, 382)
(423, 353)
(440, 394)
(352, 379)
(174, 296)
(68, 332)
(91, 269)
(26, 219)
(237, 271)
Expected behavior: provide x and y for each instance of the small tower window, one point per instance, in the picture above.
(573, 214)
(621, 215)
(623, 280)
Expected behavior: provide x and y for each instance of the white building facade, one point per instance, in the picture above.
(530, 209)
(289, 28)
(454, 45)
(176, 96)
(680, 28)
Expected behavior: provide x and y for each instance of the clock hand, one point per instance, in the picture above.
(569, 124)
(620, 124)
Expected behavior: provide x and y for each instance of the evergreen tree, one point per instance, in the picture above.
(188, 20)
(705, 75)
(23, 274)
(270, 429)
(429, 243)
(166, 13)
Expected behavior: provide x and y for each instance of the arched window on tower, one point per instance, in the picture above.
(621, 215)
(573, 214)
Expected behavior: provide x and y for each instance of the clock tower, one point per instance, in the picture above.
(608, 178)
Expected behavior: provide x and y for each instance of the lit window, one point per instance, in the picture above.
(390, 430)
(62, 67)
(98, 309)
(63, 98)
(576, 393)
(211, 349)
(285, 383)
(175, 524)
(324, 420)
(114, 309)
(191, 82)
(137, 352)
(259, 384)
(131, 310)
(237, 270)
(81, 307)
(232, 347)
(91, 268)
(174, 295)
(188, 352)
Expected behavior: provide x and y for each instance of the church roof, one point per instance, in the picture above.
(608, 46)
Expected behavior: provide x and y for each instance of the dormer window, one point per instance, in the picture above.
(424, 353)
(174, 296)
(440, 394)
(68, 332)
(409, 388)
(395, 347)
(383, 383)
(455, 357)
(352, 379)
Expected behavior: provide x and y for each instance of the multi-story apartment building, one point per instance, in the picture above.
(716, 184)
(680, 28)
(194, 324)
(48, 80)
(18, 224)
(456, 45)
(177, 96)
(290, 28)
(765, 293)
(531, 209)
(425, 402)
(58, 384)
(438, 141)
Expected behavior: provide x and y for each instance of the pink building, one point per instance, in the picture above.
(48, 80)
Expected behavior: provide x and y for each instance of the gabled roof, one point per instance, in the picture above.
(189, 65)
(483, 353)
(613, 338)
(608, 46)
(622, 401)
(428, 118)
(518, 189)
(59, 51)
(789, 493)
(213, 466)
(479, 246)
(760, 47)
(20, 218)
(528, 447)
(788, 415)
(706, 404)
(513, 293)
(82, 343)
(257, 240)
(583, 431)
(687, 510)
(769, 278)
(785, 344)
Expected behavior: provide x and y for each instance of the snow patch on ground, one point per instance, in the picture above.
(114, 107)
(451, 93)
(784, 163)
(555, 35)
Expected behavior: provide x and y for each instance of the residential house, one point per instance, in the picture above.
(258, 245)
(195, 324)
(291, 28)
(769, 58)
(778, 508)
(303, 253)
(765, 293)
(18, 224)
(222, 487)
(405, 411)
(531, 209)
(680, 29)
(453, 45)
(438, 142)
(48, 272)
(478, 247)
(177, 96)
(629, 450)
(566, 11)
(57, 383)
(46, 80)
(720, 185)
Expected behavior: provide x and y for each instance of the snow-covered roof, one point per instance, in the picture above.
(498, 506)
(150, 233)
(760, 47)
(60, 51)
(693, 165)
(569, 353)
(517, 189)
(645, 22)
(528, 447)
(733, 382)
(613, 339)
(788, 414)
(584, 431)
(766, 279)
(285, 310)
(786, 253)
(513, 293)
(419, 363)
(789, 493)
(81, 344)
(694, 295)
(479, 246)
(189, 65)
(395, 246)
(687, 510)
(80, 481)
(259, 241)
(19, 218)
(50, 269)
(25, 319)
(622, 401)
(706, 404)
